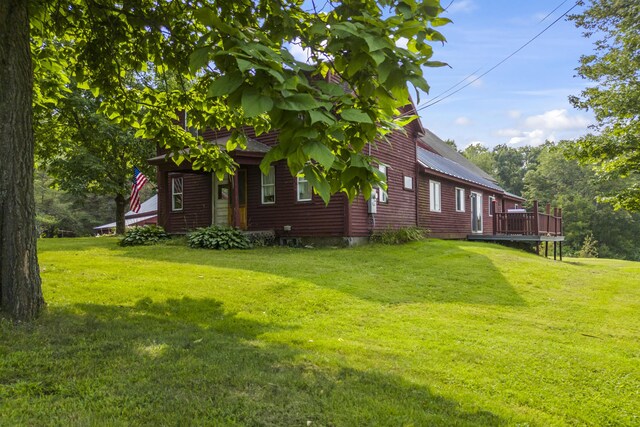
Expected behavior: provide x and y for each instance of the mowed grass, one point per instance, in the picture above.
(429, 333)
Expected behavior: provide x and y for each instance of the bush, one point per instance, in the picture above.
(217, 237)
(261, 238)
(146, 235)
(589, 247)
(395, 236)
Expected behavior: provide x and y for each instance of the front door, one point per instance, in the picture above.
(221, 199)
(476, 212)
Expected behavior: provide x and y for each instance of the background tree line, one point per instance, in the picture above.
(550, 174)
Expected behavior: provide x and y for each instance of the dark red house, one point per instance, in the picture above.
(430, 185)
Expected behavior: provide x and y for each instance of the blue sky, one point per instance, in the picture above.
(523, 101)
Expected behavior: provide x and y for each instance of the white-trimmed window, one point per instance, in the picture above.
(269, 187)
(434, 196)
(305, 191)
(492, 208)
(460, 199)
(177, 194)
(383, 196)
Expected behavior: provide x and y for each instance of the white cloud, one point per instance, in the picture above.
(548, 126)
(534, 137)
(514, 114)
(476, 142)
(509, 133)
(462, 6)
(463, 121)
(556, 120)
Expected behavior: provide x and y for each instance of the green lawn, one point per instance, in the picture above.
(430, 333)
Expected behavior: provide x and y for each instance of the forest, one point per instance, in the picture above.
(550, 173)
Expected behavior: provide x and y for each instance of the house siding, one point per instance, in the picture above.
(448, 223)
(307, 219)
(399, 155)
(196, 211)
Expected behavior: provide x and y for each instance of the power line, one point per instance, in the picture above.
(439, 98)
(550, 13)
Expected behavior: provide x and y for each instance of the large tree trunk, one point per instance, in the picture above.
(20, 290)
(120, 211)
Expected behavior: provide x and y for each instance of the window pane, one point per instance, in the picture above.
(176, 193)
(269, 194)
(269, 179)
(383, 196)
(304, 189)
(177, 202)
(177, 185)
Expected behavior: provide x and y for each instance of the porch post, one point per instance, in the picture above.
(235, 217)
(561, 231)
(548, 212)
(495, 216)
(536, 229)
(555, 220)
(546, 249)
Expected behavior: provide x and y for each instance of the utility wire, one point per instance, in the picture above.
(436, 100)
(550, 13)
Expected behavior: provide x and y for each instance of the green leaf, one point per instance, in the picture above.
(244, 65)
(438, 22)
(320, 116)
(320, 153)
(436, 64)
(319, 182)
(224, 85)
(273, 155)
(332, 89)
(205, 16)
(420, 83)
(298, 102)
(198, 59)
(376, 43)
(254, 103)
(83, 85)
(353, 115)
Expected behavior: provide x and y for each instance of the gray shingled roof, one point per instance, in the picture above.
(253, 146)
(448, 167)
(442, 148)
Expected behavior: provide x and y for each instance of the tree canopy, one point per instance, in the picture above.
(233, 68)
(85, 153)
(614, 97)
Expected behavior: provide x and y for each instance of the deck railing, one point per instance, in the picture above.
(528, 223)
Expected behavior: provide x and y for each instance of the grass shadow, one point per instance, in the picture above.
(412, 273)
(188, 361)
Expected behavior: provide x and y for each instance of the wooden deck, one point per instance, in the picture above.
(531, 226)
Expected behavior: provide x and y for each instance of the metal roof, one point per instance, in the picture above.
(150, 205)
(446, 151)
(448, 167)
(127, 222)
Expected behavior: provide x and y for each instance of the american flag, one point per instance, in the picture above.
(139, 180)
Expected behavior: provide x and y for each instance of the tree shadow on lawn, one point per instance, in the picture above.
(387, 274)
(188, 361)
